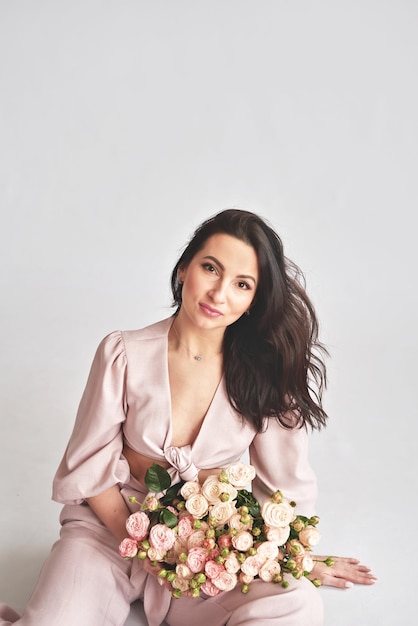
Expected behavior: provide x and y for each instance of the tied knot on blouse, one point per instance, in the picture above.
(182, 466)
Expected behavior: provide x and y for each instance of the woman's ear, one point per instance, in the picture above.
(180, 275)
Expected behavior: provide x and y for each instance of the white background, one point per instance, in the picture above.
(124, 123)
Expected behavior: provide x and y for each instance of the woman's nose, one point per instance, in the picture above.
(218, 292)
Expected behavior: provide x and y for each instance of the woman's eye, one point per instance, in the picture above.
(209, 267)
(243, 285)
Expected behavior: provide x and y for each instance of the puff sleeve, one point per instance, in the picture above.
(93, 460)
(280, 458)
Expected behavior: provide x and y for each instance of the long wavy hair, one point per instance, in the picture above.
(273, 361)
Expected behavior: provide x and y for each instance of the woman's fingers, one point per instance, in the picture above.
(154, 570)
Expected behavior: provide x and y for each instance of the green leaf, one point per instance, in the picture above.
(171, 493)
(246, 498)
(168, 518)
(157, 478)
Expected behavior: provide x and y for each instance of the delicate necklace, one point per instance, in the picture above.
(197, 357)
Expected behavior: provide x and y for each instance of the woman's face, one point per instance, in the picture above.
(220, 282)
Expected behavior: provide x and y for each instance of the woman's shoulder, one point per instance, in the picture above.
(117, 341)
(153, 331)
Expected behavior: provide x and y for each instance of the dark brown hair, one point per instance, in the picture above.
(273, 361)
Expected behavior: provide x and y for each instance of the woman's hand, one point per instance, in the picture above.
(154, 570)
(204, 473)
(344, 573)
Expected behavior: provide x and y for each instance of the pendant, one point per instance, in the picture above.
(198, 357)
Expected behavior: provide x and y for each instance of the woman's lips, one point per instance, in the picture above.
(210, 311)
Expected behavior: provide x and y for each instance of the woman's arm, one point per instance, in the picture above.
(111, 509)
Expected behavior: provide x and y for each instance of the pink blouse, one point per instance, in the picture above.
(127, 400)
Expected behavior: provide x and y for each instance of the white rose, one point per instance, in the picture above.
(189, 489)
(221, 512)
(232, 565)
(236, 524)
(155, 555)
(268, 549)
(277, 515)
(279, 536)
(196, 539)
(180, 546)
(247, 579)
(211, 489)
(225, 581)
(242, 541)
(180, 583)
(197, 505)
(309, 536)
(304, 563)
(252, 565)
(240, 474)
(228, 489)
(183, 571)
(269, 570)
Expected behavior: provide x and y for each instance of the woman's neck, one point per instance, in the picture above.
(198, 343)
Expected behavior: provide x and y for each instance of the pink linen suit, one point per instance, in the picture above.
(127, 399)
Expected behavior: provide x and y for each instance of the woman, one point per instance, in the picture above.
(238, 367)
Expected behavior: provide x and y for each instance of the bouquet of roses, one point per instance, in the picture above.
(209, 538)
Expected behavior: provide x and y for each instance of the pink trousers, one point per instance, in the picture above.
(85, 582)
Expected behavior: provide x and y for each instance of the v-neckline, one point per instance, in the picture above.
(169, 431)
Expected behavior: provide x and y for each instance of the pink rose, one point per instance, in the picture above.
(196, 559)
(185, 527)
(152, 503)
(137, 525)
(225, 581)
(242, 541)
(224, 541)
(240, 474)
(173, 510)
(208, 543)
(162, 537)
(213, 569)
(128, 548)
(269, 570)
(213, 554)
(309, 536)
(209, 588)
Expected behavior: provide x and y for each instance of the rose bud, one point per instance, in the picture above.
(277, 497)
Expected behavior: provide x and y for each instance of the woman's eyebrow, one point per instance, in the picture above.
(217, 261)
